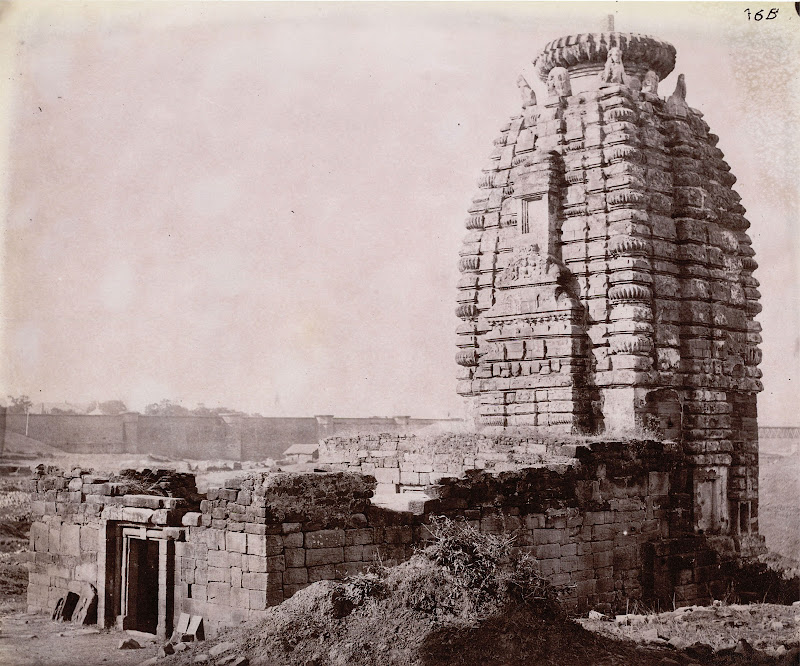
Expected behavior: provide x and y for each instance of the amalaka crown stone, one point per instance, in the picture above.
(586, 54)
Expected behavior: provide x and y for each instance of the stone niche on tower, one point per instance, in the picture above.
(607, 275)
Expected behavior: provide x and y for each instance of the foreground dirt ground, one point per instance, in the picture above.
(768, 628)
(31, 640)
(27, 640)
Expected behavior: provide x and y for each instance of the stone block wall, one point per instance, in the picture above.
(408, 462)
(70, 511)
(613, 523)
(261, 538)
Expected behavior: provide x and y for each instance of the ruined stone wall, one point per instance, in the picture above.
(614, 523)
(259, 539)
(69, 512)
(400, 461)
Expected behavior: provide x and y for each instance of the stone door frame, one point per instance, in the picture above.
(112, 573)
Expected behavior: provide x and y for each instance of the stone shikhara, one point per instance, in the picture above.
(607, 276)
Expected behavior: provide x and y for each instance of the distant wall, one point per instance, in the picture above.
(186, 437)
(778, 432)
(270, 437)
(75, 433)
(228, 436)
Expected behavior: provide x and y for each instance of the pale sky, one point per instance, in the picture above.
(261, 205)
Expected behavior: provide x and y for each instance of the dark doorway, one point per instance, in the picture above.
(142, 591)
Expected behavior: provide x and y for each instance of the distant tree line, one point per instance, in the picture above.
(19, 405)
(168, 408)
(23, 404)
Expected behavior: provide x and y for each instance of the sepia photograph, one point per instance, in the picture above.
(399, 333)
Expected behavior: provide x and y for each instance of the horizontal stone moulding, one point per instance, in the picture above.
(620, 113)
(475, 222)
(630, 344)
(626, 198)
(486, 180)
(575, 177)
(622, 152)
(753, 307)
(628, 245)
(496, 420)
(753, 356)
(629, 292)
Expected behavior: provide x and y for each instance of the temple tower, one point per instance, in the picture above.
(607, 276)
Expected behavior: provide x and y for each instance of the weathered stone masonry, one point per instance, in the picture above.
(607, 272)
(615, 521)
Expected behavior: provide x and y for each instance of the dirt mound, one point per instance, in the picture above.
(310, 629)
(462, 600)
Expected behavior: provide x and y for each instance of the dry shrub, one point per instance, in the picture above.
(467, 574)
(473, 559)
(525, 584)
(362, 587)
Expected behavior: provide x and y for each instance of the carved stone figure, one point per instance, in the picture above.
(614, 71)
(528, 96)
(558, 84)
(650, 83)
(635, 85)
(676, 103)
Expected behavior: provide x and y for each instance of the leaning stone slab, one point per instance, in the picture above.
(183, 623)
(196, 627)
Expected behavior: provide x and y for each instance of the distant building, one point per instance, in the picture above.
(302, 453)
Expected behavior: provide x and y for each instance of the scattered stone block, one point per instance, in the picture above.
(191, 519)
(129, 644)
(166, 650)
(220, 648)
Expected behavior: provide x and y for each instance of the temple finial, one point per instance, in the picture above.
(610, 23)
